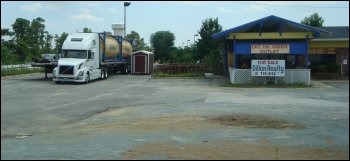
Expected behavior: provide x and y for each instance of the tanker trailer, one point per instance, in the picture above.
(112, 49)
(89, 56)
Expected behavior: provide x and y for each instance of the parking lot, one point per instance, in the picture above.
(138, 117)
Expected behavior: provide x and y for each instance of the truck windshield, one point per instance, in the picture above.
(80, 54)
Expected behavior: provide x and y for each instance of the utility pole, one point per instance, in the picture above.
(126, 4)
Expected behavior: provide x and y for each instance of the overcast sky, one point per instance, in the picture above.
(182, 18)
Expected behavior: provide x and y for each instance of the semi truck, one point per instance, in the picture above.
(90, 56)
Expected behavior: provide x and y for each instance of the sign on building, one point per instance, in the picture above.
(270, 49)
(268, 68)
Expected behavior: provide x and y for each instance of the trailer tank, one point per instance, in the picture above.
(112, 48)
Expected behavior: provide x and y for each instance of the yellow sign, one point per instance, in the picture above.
(270, 49)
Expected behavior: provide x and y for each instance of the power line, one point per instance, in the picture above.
(290, 5)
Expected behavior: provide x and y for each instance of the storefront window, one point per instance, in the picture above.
(301, 62)
(244, 61)
(290, 62)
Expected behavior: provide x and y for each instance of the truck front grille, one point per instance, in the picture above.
(65, 69)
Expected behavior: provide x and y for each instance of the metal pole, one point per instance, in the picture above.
(234, 53)
(341, 66)
(306, 52)
(124, 20)
(126, 4)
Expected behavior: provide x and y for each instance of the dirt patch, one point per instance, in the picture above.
(254, 121)
(183, 123)
(230, 150)
(186, 124)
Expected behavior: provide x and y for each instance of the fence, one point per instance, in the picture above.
(243, 76)
(18, 69)
(182, 68)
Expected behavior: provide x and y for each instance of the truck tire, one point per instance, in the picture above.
(87, 78)
(124, 69)
(129, 69)
(57, 82)
(102, 74)
(105, 74)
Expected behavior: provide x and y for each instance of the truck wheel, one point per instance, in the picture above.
(102, 74)
(124, 69)
(87, 78)
(129, 69)
(106, 74)
(57, 82)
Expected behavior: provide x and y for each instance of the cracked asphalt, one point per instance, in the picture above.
(137, 117)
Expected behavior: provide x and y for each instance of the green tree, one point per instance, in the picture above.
(186, 55)
(37, 38)
(21, 29)
(29, 41)
(22, 50)
(5, 54)
(162, 42)
(5, 32)
(22, 34)
(86, 30)
(208, 49)
(314, 20)
(136, 42)
(205, 43)
(146, 47)
(181, 55)
(59, 41)
(6, 46)
(48, 41)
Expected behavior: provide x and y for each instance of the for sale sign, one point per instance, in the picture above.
(268, 68)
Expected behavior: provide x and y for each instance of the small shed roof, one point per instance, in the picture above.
(271, 24)
(142, 51)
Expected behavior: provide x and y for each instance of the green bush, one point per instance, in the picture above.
(333, 68)
(182, 75)
(214, 60)
(324, 68)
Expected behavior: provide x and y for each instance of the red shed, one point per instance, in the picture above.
(142, 62)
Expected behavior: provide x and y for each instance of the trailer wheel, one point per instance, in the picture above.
(128, 67)
(124, 69)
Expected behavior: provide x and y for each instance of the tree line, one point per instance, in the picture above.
(30, 39)
(27, 41)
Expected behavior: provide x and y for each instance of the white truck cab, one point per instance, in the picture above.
(80, 61)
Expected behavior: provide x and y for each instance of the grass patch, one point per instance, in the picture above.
(252, 85)
(18, 71)
(178, 75)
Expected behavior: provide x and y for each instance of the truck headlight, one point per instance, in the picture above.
(54, 71)
(81, 73)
